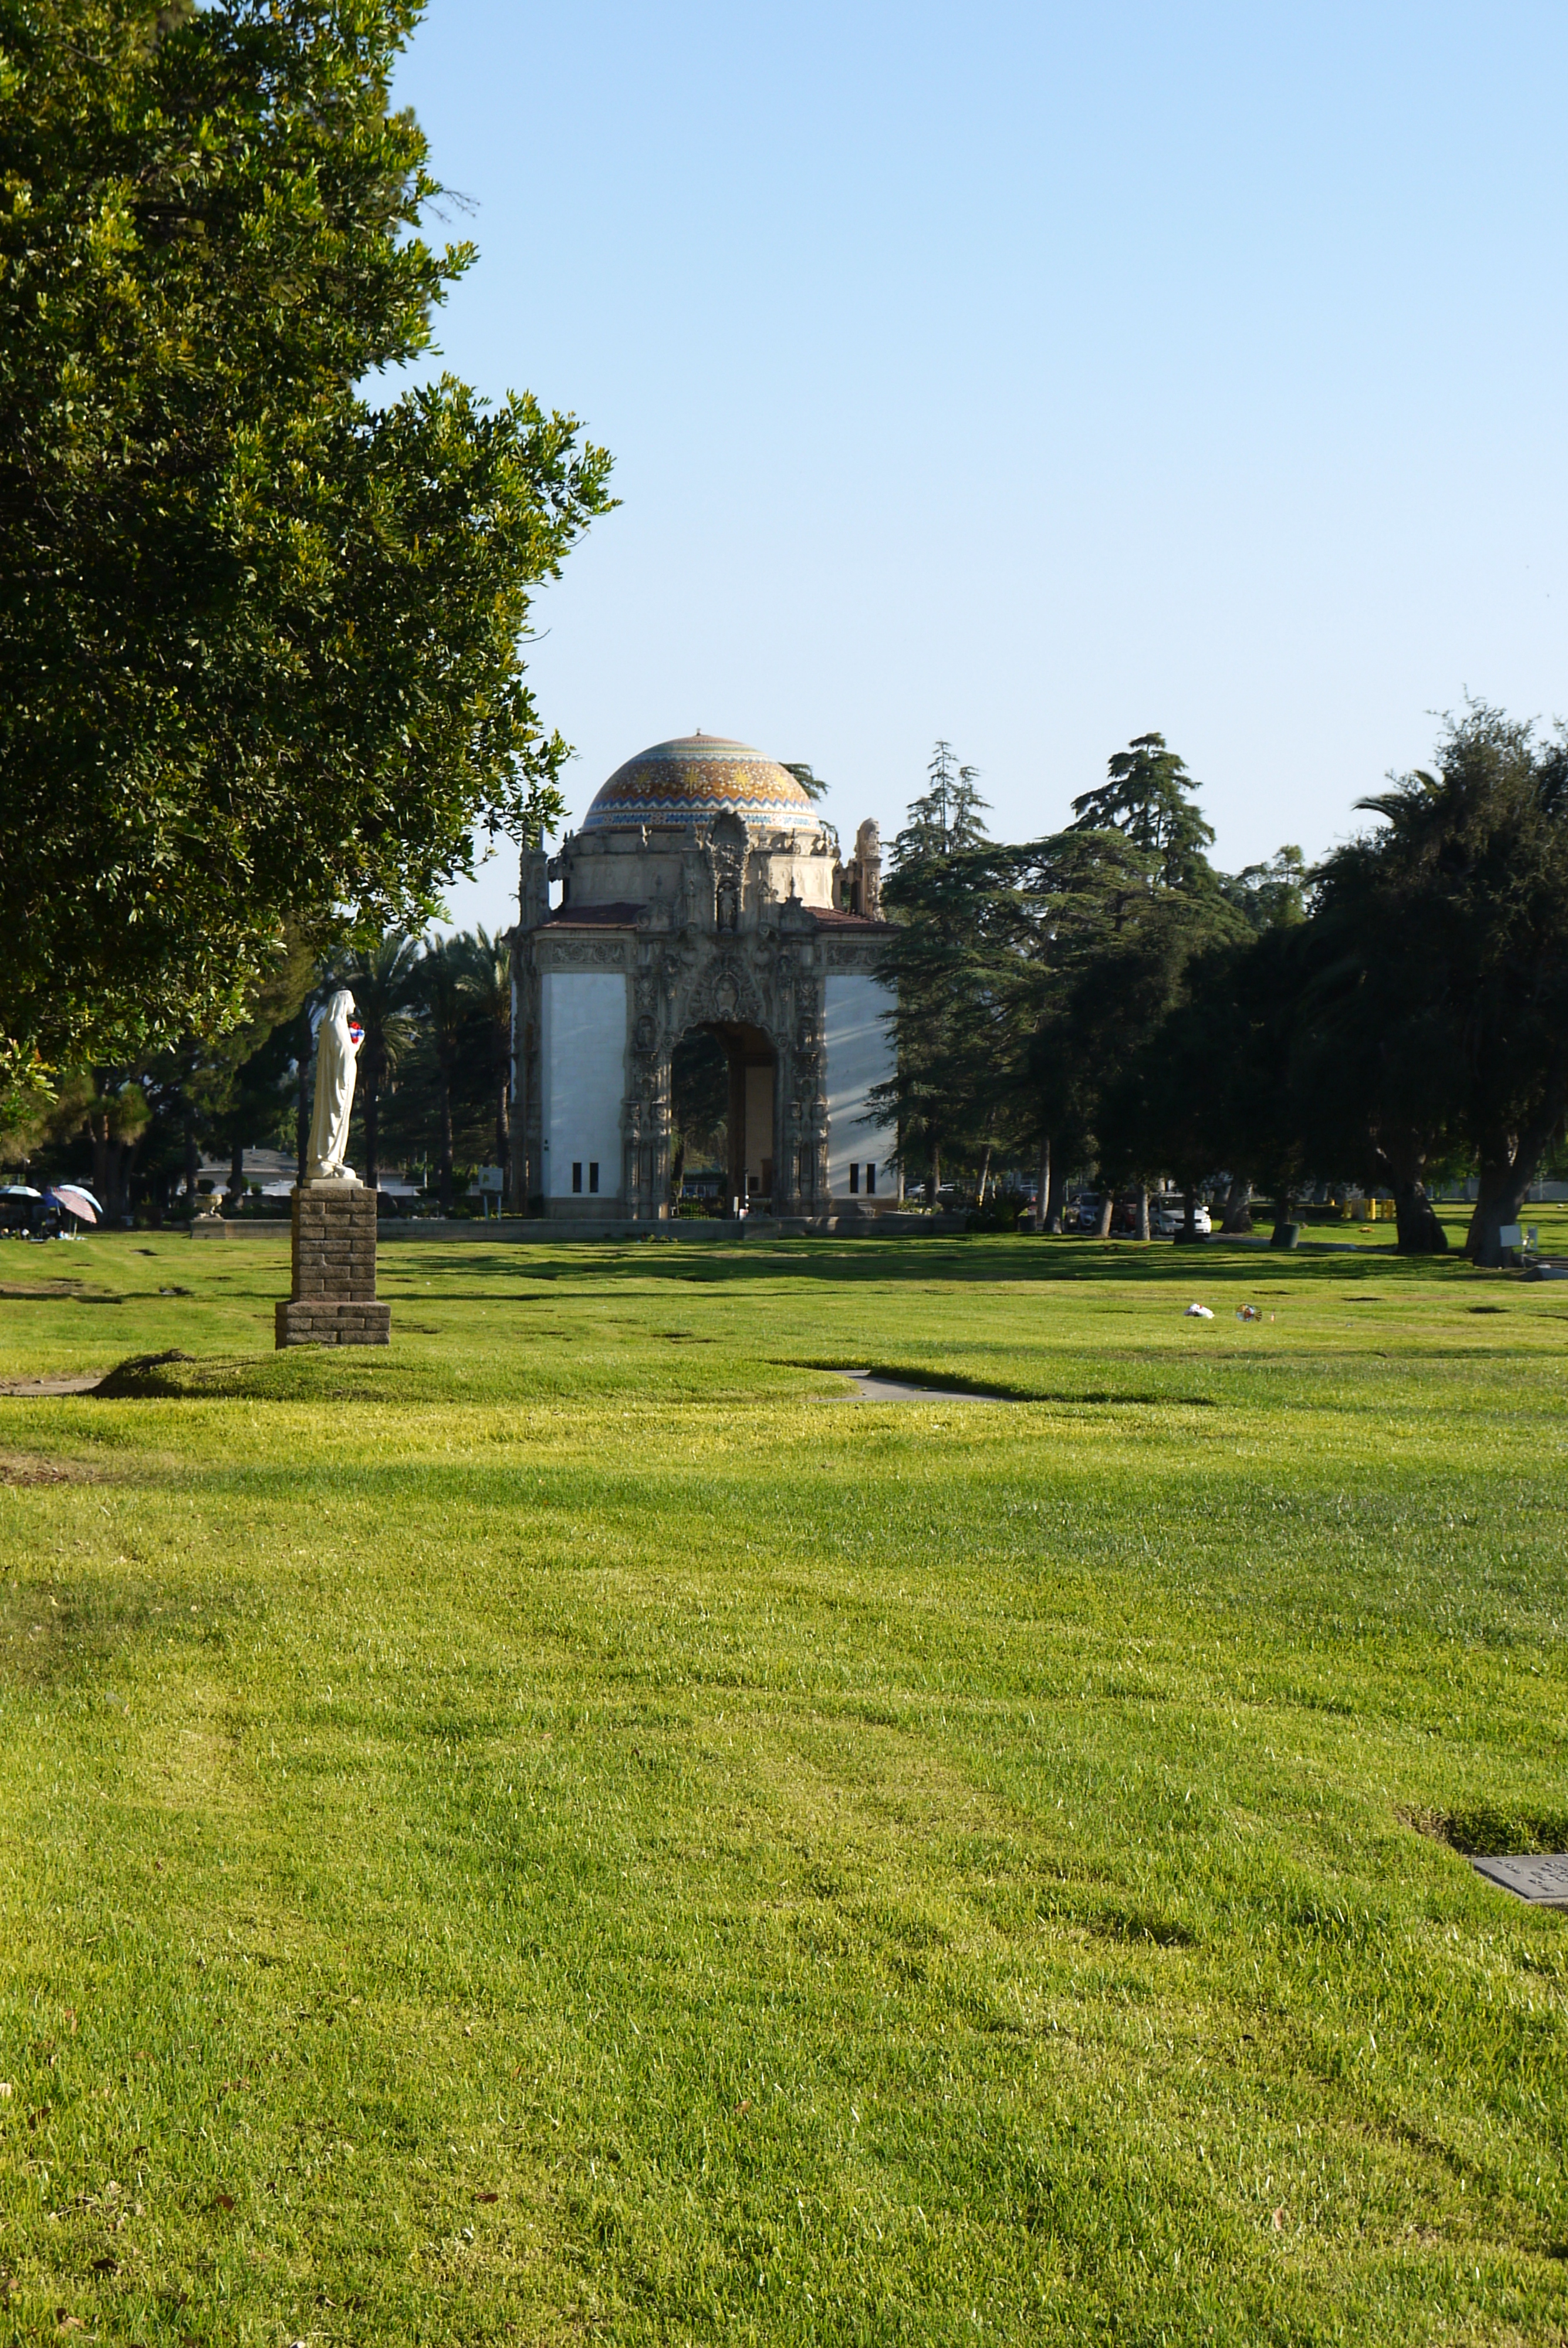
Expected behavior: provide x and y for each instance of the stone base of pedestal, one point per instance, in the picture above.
(325, 1320)
(333, 1301)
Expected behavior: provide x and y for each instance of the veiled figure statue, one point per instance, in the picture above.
(336, 1053)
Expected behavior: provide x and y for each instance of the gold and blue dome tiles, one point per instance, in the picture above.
(695, 778)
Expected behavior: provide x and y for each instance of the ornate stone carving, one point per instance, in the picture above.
(721, 925)
(725, 992)
(534, 893)
(727, 854)
(597, 953)
(867, 868)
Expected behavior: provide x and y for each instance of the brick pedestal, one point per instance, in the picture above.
(334, 1251)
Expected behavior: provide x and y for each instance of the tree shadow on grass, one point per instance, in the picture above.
(980, 1258)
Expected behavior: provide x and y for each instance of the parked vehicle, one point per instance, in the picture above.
(1123, 1214)
(1167, 1217)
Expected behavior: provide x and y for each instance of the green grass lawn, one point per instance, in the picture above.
(567, 1828)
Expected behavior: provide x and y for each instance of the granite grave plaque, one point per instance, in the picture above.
(1541, 1878)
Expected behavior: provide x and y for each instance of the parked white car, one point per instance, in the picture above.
(1169, 1217)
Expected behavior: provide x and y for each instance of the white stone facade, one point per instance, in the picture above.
(721, 914)
(582, 1077)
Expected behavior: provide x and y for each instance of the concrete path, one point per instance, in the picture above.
(82, 1384)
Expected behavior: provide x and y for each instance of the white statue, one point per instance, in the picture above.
(337, 1049)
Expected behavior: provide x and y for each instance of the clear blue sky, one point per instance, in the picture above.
(1031, 375)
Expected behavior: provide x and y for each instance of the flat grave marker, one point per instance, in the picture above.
(1541, 1878)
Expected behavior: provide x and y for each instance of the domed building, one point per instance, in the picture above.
(702, 895)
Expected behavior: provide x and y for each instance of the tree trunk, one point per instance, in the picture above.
(1190, 1212)
(985, 1177)
(1238, 1217)
(1056, 1201)
(192, 1157)
(113, 1192)
(126, 1167)
(934, 1178)
(1107, 1209)
(1143, 1210)
(1499, 1198)
(1042, 1186)
(99, 1127)
(443, 1176)
(302, 1111)
(1284, 1215)
(1420, 1233)
(237, 1171)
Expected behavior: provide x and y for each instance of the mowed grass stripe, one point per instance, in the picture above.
(863, 1872)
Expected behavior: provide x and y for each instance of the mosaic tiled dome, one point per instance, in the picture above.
(693, 780)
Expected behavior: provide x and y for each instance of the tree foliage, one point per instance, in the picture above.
(954, 957)
(1449, 997)
(1126, 901)
(257, 635)
(1148, 797)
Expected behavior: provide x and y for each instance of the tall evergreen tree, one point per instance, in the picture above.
(948, 817)
(1148, 795)
(954, 959)
(1087, 893)
(1126, 897)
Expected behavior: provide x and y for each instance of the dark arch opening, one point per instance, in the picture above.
(722, 1079)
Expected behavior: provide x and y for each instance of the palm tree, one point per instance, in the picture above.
(487, 981)
(441, 976)
(385, 983)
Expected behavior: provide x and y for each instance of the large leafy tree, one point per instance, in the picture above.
(1453, 975)
(1373, 1061)
(1271, 895)
(1215, 1083)
(1212, 1083)
(258, 633)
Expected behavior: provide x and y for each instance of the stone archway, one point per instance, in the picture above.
(752, 1065)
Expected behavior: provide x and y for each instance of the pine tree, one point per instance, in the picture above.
(1148, 795)
(955, 961)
